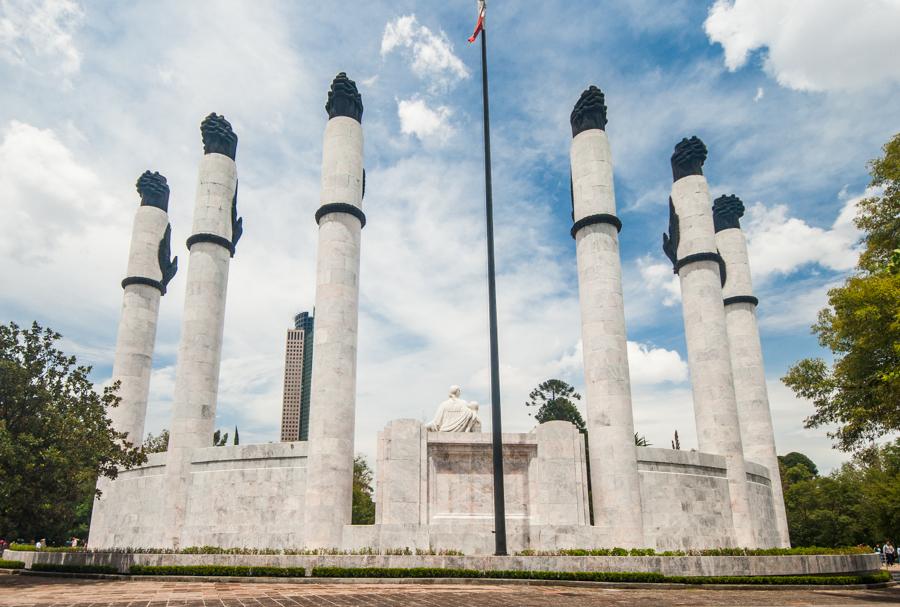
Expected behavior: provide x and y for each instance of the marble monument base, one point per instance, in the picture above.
(433, 492)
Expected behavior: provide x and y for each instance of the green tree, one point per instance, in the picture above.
(860, 391)
(859, 503)
(363, 505)
(55, 436)
(156, 444)
(554, 401)
(798, 459)
(237, 439)
(640, 440)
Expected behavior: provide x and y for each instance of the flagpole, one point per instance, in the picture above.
(497, 443)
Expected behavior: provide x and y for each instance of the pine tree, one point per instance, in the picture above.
(554, 400)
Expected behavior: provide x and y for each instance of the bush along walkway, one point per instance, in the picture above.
(433, 573)
(598, 576)
(799, 551)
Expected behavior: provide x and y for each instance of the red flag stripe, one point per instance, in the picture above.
(478, 26)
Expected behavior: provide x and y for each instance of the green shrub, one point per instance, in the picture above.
(73, 568)
(392, 572)
(217, 550)
(30, 548)
(594, 576)
(802, 551)
(579, 576)
(778, 580)
(218, 570)
(11, 564)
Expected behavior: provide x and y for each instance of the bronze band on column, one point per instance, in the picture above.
(341, 207)
(741, 299)
(594, 219)
(140, 280)
(703, 257)
(213, 238)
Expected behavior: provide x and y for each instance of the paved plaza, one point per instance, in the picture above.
(32, 591)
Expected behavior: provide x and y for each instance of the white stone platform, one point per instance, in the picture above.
(433, 492)
(245, 495)
(674, 565)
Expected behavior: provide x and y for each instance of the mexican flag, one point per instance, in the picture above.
(479, 25)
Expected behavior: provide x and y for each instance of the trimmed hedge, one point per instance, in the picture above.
(435, 572)
(596, 576)
(394, 572)
(780, 580)
(62, 568)
(802, 551)
(218, 570)
(11, 564)
(31, 548)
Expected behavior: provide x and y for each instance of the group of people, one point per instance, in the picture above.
(888, 552)
(41, 543)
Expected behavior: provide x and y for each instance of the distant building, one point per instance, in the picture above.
(297, 372)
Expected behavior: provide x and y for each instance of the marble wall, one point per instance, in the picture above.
(685, 565)
(446, 477)
(241, 496)
(433, 491)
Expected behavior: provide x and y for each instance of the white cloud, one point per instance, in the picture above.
(39, 34)
(416, 118)
(431, 55)
(46, 196)
(658, 278)
(812, 45)
(788, 413)
(661, 410)
(780, 244)
(794, 305)
(760, 93)
(648, 365)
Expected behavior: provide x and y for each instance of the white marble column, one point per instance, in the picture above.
(214, 235)
(691, 244)
(614, 476)
(757, 434)
(149, 271)
(332, 407)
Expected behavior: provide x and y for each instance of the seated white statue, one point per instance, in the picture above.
(455, 415)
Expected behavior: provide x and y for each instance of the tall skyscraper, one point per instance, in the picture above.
(297, 372)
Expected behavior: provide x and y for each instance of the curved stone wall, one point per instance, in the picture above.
(687, 504)
(678, 565)
(245, 496)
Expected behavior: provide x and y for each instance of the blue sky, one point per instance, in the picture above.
(791, 97)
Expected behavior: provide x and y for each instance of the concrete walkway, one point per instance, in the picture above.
(32, 591)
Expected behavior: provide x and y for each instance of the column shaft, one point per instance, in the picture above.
(709, 358)
(613, 458)
(329, 484)
(203, 323)
(757, 434)
(149, 272)
(137, 325)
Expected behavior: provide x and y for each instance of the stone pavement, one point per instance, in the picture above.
(35, 591)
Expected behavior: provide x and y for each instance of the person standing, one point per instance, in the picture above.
(889, 552)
